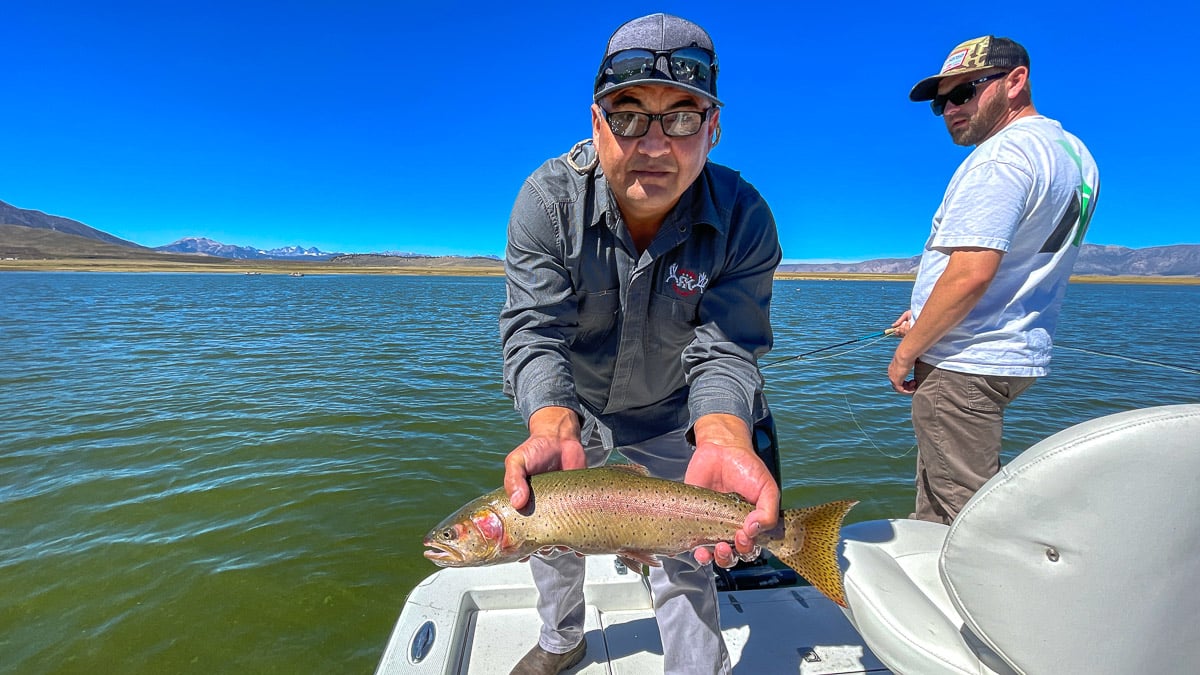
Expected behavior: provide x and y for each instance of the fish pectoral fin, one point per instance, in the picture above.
(552, 552)
(639, 557)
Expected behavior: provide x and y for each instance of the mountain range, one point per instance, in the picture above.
(205, 246)
(1094, 259)
(25, 233)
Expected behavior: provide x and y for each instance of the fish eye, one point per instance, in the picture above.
(447, 535)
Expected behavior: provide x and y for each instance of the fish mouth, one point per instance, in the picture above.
(443, 556)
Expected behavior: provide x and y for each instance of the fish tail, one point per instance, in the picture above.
(810, 539)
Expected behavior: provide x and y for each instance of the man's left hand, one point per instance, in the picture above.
(725, 461)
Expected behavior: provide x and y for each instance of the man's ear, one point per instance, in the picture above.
(715, 124)
(1018, 80)
(597, 121)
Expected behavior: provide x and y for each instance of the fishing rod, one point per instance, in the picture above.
(892, 331)
(882, 333)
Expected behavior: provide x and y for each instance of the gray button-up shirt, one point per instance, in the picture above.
(647, 343)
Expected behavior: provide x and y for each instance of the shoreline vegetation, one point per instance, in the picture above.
(469, 267)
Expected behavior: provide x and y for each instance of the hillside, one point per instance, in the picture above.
(1180, 260)
(11, 215)
(1094, 260)
(29, 243)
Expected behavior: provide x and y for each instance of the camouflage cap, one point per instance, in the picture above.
(978, 53)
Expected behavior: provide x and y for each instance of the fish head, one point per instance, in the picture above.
(473, 536)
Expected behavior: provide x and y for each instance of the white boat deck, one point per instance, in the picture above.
(1023, 582)
(480, 621)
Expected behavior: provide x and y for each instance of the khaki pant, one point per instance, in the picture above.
(959, 420)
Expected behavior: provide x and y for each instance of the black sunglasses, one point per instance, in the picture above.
(960, 94)
(693, 66)
(629, 124)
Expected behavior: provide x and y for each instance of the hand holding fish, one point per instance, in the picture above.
(725, 462)
(553, 445)
(619, 509)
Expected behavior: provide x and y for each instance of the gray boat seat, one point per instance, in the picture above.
(1081, 556)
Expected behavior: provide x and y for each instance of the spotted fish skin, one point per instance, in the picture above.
(619, 509)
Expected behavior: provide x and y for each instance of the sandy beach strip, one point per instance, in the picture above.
(440, 267)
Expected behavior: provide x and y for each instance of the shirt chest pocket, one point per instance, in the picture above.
(597, 316)
(673, 321)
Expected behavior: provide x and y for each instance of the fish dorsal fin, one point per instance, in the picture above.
(636, 469)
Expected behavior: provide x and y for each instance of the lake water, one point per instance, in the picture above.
(227, 473)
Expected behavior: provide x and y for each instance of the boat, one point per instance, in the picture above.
(295, 274)
(1078, 557)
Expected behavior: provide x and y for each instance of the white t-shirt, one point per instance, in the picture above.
(1029, 191)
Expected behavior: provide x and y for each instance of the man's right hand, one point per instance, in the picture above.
(553, 445)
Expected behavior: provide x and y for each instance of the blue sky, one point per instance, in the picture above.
(392, 126)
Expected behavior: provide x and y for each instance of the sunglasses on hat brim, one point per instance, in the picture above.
(693, 66)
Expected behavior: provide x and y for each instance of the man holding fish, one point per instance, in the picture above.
(638, 291)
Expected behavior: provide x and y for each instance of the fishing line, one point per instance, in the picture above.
(867, 436)
(884, 333)
(880, 334)
(873, 337)
(1146, 362)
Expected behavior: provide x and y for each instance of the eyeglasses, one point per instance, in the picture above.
(629, 124)
(960, 94)
(694, 66)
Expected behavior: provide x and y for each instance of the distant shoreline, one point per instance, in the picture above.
(438, 267)
(411, 266)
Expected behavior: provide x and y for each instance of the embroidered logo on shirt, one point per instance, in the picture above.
(686, 282)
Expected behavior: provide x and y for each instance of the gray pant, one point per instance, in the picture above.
(684, 592)
(959, 421)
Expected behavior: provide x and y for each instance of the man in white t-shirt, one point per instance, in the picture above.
(994, 269)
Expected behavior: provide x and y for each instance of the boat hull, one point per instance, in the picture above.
(480, 621)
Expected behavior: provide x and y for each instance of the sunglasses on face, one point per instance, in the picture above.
(628, 124)
(960, 94)
(694, 66)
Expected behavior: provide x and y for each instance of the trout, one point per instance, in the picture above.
(619, 509)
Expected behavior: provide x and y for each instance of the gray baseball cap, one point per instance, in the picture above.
(660, 49)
